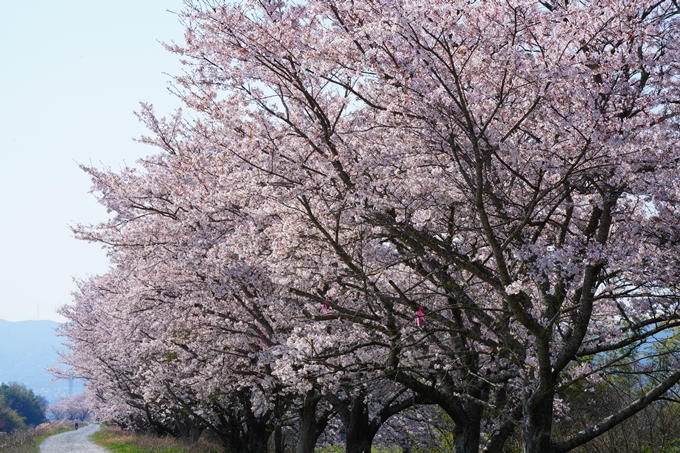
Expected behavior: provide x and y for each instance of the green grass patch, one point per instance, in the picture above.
(113, 443)
(118, 441)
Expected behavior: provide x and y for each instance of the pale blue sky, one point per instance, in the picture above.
(71, 75)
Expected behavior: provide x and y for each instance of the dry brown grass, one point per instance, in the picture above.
(53, 426)
(20, 441)
(28, 440)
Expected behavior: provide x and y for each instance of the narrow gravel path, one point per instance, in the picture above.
(72, 442)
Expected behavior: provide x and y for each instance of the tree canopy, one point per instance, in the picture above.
(9, 419)
(29, 407)
(471, 203)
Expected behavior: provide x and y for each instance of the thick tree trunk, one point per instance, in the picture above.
(230, 435)
(309, 427)
(466, 436)
(537, 427)
(466, 415)
(359, 433)
(258, 429)
(278, 440)
(258, 437)
(307, 433)
(231, 444)
(159, 428)
(188, 429)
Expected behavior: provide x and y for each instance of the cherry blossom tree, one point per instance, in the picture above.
(181, 315)
(477, 201)
(475, 186)
(71, 408)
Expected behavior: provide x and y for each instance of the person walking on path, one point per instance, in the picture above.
(76, 424)
(72, 442)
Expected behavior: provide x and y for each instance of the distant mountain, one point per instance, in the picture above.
(26, 349)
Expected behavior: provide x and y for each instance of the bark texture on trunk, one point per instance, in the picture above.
(258, 436)
(231, 436)
(537, 427)
(359, 432)
(310, 427)
(466, 435)
(359, 435)
(259, 429)
(188, 428)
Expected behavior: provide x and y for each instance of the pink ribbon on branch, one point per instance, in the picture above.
(324, 307)
(261, 342)
(420, 316)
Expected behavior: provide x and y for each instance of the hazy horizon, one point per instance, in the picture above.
(26, 349)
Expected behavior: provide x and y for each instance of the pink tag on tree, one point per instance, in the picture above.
(324, 307)
(420, 316)
(261, 342)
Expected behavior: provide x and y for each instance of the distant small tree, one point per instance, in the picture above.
(71, 407)
(24, 402)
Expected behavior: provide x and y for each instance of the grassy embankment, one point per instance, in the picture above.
(28, 441)
(118, 441)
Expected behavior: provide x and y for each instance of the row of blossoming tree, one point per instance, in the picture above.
(371, 204)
